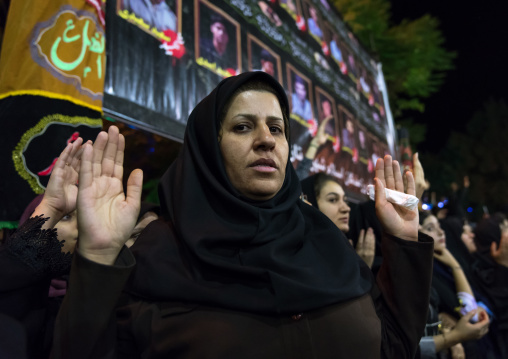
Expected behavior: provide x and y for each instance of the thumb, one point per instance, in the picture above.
(470, 314)
(134, 188)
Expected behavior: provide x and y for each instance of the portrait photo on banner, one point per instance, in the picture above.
(159, 18)
(339, 51)
(326, 108)
(269, 9)
(314, 23)
(217, 40)
(291, 7)
(364, 167)
(349, 155)
(301, 103)
(262, 58)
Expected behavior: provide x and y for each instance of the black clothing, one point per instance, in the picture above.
(218, 272)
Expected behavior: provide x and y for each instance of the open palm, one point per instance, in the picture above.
(61, 191)
(106, 216)
(396, 220)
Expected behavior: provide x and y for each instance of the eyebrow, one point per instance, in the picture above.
(253, 117)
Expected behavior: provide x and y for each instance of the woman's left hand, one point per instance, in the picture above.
(366, 246)
(61, 191)
(395, 220)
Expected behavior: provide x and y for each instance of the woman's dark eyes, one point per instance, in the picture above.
(276, 129)
(241, 128)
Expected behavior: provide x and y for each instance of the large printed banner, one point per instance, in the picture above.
(164, 56)
(52, 70)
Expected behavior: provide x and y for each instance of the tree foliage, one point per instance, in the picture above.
(412, 53)
(479, 152)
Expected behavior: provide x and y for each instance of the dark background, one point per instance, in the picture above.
(478, 32)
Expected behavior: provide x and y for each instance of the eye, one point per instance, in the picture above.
(276, 129)
(67, 217)
(241, 128)
(333, 199)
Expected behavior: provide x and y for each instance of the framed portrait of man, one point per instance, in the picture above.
(262, 58)
(217, 40)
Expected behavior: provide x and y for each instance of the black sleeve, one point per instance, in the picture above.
(29, 258)
(402, 294)
(89, 331)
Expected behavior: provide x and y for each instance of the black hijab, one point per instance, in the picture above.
(214, 247)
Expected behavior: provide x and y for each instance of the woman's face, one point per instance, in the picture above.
(332, 202)
(253, 145)
(67, 229)
(431, 227)
(468, 238)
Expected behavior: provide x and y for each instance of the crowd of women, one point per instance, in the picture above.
(241, 259)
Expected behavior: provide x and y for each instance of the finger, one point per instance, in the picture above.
(134, 188)
(62, 159)
(86, 171)
(108, 158)
(411, 188)
(361, 239)
(118, 171)
(76, 153)
(493, 249)
(351, 242)
(380, 196)
(404, 179)
(370, 239)
(389, 179)
(98, 151)
(399, 184)
(380, 170)
(470, 315)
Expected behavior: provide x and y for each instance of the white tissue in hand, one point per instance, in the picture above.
(402, 199)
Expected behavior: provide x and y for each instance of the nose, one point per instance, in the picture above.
(344, 207)
(264, 139)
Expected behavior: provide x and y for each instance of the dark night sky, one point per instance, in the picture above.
(478, 32)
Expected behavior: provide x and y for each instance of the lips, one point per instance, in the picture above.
(264, 162)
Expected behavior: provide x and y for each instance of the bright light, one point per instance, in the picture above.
(470, 209)
(440, 205)
(425, 207)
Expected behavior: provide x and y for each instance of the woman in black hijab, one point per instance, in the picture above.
(237, 266)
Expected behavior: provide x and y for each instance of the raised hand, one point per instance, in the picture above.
(395, 220)
(61, 192)
(366, 246)
(446, 257)
(420, 183)
(321, 135)
(318, 140)
(106, 216)
(500, 253)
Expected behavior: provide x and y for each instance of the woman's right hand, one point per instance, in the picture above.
(465, 330)
(106, 216)
(446, 257)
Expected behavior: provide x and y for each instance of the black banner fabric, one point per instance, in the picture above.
(164, 56)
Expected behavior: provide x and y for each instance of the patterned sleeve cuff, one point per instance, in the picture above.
(39, 248)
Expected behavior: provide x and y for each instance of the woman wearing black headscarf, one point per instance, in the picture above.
(490, 278)
(237, 266)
